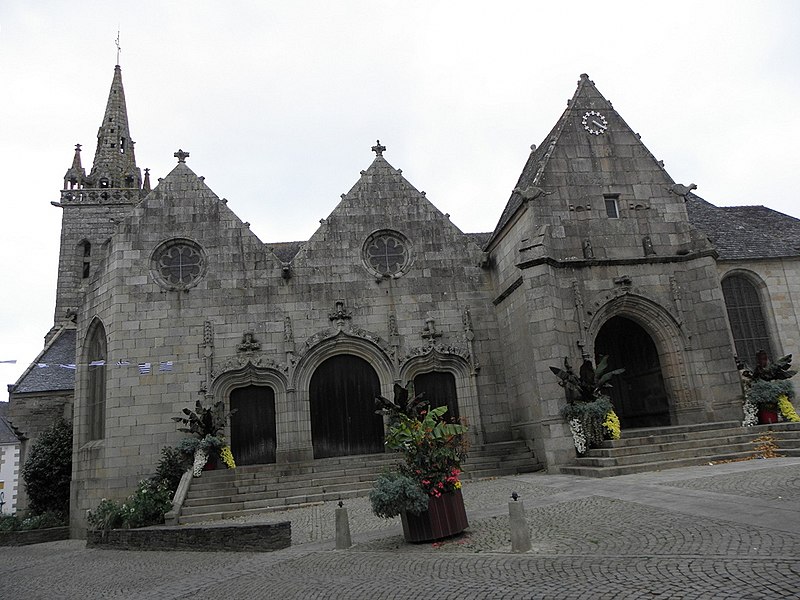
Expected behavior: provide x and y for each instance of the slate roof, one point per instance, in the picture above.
(53, 377)
(745, 232)
(285, 251)
(7, 433)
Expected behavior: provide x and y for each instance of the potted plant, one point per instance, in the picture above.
(589, 411)
(206, 426)
(425, 491)
(768, 391)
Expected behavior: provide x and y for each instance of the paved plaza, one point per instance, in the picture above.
(721, 531)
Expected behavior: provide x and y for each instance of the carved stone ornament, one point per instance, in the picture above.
(436, 349)
(429, 332)
(352, 332)
(242, 360)
(340, 314)
(249, 344)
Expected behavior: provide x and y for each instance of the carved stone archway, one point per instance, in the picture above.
(670, 341)
(453, 360)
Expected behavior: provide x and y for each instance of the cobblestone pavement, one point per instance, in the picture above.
(725, 531)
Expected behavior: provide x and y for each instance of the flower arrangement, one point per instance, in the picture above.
(612, 426)
(207, 442)
(432, 449)
(589, 411)
(767, 387)
(227, 457)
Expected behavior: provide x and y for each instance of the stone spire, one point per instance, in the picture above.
(75, 175)
(114, 160)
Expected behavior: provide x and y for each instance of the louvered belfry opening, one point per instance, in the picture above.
(343, 419)
(438, 389)
(253, 430)
(639, 395)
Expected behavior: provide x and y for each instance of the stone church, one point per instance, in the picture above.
(164, 296)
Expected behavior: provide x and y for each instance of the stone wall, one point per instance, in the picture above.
(256, 537)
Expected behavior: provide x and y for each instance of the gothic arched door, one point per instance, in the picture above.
(343, 419)
(638, 395)
(438, 389)
(253, 431)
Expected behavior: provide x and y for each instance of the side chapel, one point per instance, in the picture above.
(165, 294)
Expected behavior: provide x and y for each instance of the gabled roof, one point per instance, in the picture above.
(45, 374)
(745, 232)
(573, 155)
(7, 433)
(285, 251)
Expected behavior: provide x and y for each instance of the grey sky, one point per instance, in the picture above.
(279, 103)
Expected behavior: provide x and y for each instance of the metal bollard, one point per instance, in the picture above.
(520, 534)
(343, 540)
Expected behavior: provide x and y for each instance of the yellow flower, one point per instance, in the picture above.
(611, 425)
(457, 485)
(227, 457)
(787, 410)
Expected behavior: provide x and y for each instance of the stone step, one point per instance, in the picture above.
(258, 488)
(271, 494)
(664, 435)
(614, 471)
(655, 457)
(690, 444)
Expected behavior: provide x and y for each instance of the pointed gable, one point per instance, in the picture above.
(592, 155)
(382, 199)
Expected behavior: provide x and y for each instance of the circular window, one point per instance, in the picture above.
(178, 264)
(387, 253)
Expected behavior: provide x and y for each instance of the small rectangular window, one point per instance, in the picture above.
(612, 208)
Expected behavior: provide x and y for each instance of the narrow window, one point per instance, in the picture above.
(85, 253)
(612, 206)
(746, 316)
(96, 356)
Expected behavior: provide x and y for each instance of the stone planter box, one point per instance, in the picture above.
(33, 536)
(256, 537)
(445, 517)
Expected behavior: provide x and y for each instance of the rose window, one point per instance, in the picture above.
(387, 253)
(178, 264)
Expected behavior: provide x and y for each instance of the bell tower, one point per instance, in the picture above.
(92, 203)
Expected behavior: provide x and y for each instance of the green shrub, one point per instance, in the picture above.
(147, 505)
(48, 470)
(171, 467)
(42, 521)
(107, 515)
(394, 493)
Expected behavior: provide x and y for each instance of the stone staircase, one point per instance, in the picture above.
(262, 488)
(655, 449)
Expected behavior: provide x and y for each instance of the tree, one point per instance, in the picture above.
(48, 470)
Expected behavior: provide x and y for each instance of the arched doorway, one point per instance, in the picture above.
(638, 395)
(438, 389)
(342, 394)
(253, 430)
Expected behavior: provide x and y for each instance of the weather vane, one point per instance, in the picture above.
(117, 43)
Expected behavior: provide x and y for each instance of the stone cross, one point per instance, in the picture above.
(378, 149)
(181, 155)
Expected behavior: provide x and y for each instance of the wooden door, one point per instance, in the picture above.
(438, 389)
(253, 425)
(638, 395)
(343, 420)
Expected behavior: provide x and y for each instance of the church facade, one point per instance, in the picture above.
(169, 298)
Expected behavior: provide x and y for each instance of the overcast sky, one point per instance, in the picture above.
(279, 103)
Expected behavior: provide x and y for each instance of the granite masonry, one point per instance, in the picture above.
(169, 297)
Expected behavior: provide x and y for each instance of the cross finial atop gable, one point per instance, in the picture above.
(181, 155)
(378, 149)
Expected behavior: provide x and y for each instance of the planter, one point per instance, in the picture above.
(445, 517)
(767, 414)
